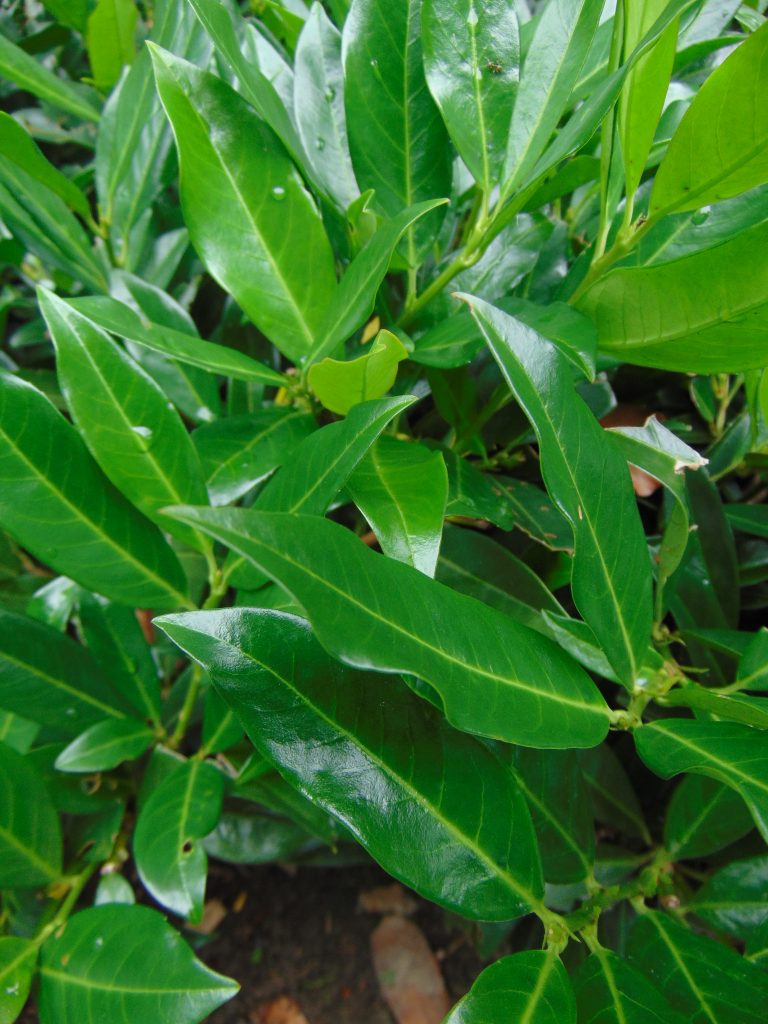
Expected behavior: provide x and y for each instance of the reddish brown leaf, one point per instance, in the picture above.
(408, 973)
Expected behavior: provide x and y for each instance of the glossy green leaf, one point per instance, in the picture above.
(728, 752)
(536, 515)
(17, 145)
(320, 467)
(726, 127)
(113, 888)
(397, 139)
(170, 860)
(734, 899)
(121, 961)
(609, 990)
(18, 958)
(32, 76)
(472, 64)
(241, 451)
(72, 13)
(525, 988)
(586, 478)
(402, 489)
(703, 980)
(704, 816)
(50, 679)
(30, 835)
(117, 318)
(751, 519)
(221, 728)
(705, 313)
(383, 776)
(615, 801)
(340, 385)
(752, 672)
(551, 68)
(716, 544)
(731, 707)
(354, 298)
(281, 271)
(134, 157)
(105, 745)
(110, 39)
(255, 839)
(319, 106)
(123, 416)
(353, 597)
(57, 503)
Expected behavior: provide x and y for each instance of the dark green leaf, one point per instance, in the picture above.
(17, 145)
(752, 673)
(30, 836)
(525, 988)
(32, 76)
(18, 958)
(105, 745)
(385, 775)
(734, 899)
(616, 803)
(704, 816)
(255, 839)
(609, 990)
(751, 519)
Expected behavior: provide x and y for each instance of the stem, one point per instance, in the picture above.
(607, 139)
(624, 244)
(188, 707)
(79, 882)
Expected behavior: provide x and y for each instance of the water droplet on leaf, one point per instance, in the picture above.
(278, 192)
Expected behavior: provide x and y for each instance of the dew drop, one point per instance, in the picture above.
(278, 192)
(12, 990)
(99, 942)
(144, 435)
(472, 18)
(70, 712)
(374, 63)
(330, 94)
(320, 144)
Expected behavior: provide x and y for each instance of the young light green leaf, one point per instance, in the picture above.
(705, 981)
(51, 680)
(18, 959)
(402, 489)
(319, 106)
(705, 313)
(726, 127)
(732, 707)
(382, 776)
(734, 898)
(110, 39)
(182, 809)
(398, 142)
(239, 452)
(587, 479)
(609, 990)
(123, 416)
(550, 71)
(517, 690)
(30, 835)
(105, 746)
(113, 888)
(281, 271)
(57, 503)
(32, 76)
(734, 754)
(104, 964)
(752, 673)
(520, 989)
(118, 318)
(472, 64)
(704, 816)
(341, 385)
(18, 146)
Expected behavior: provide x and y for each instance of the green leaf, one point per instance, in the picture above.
(398, 142)
(57, 503)
(752, 672)
(476, 565)
(588, 480)
(72, 13)
(609, 990)
(319, 468)
(18, 959)
(704, 816)
(355, 296)
(110, 39)
(120, 319)
(255, 839)
(525, 988)
(123, 416)
(17, 732)
(113, 888)
(472, 64)
(18, 146)
(170, 860)
(28, 74)
(550, 71)
(734, 898)
(402, 489)
(384, 775)
(726, 126)
(340, 385)
(241, 451)
(134, 146)
(752, 519)
(281, 272)
(495, 677)
(105, 746)
(30, 836)
(705, 313)
(730, 753)
(615, 801)
(701, 979)
(319, 107)
(645, 88)
(119, 961)
(732, 707)
(50, 679)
